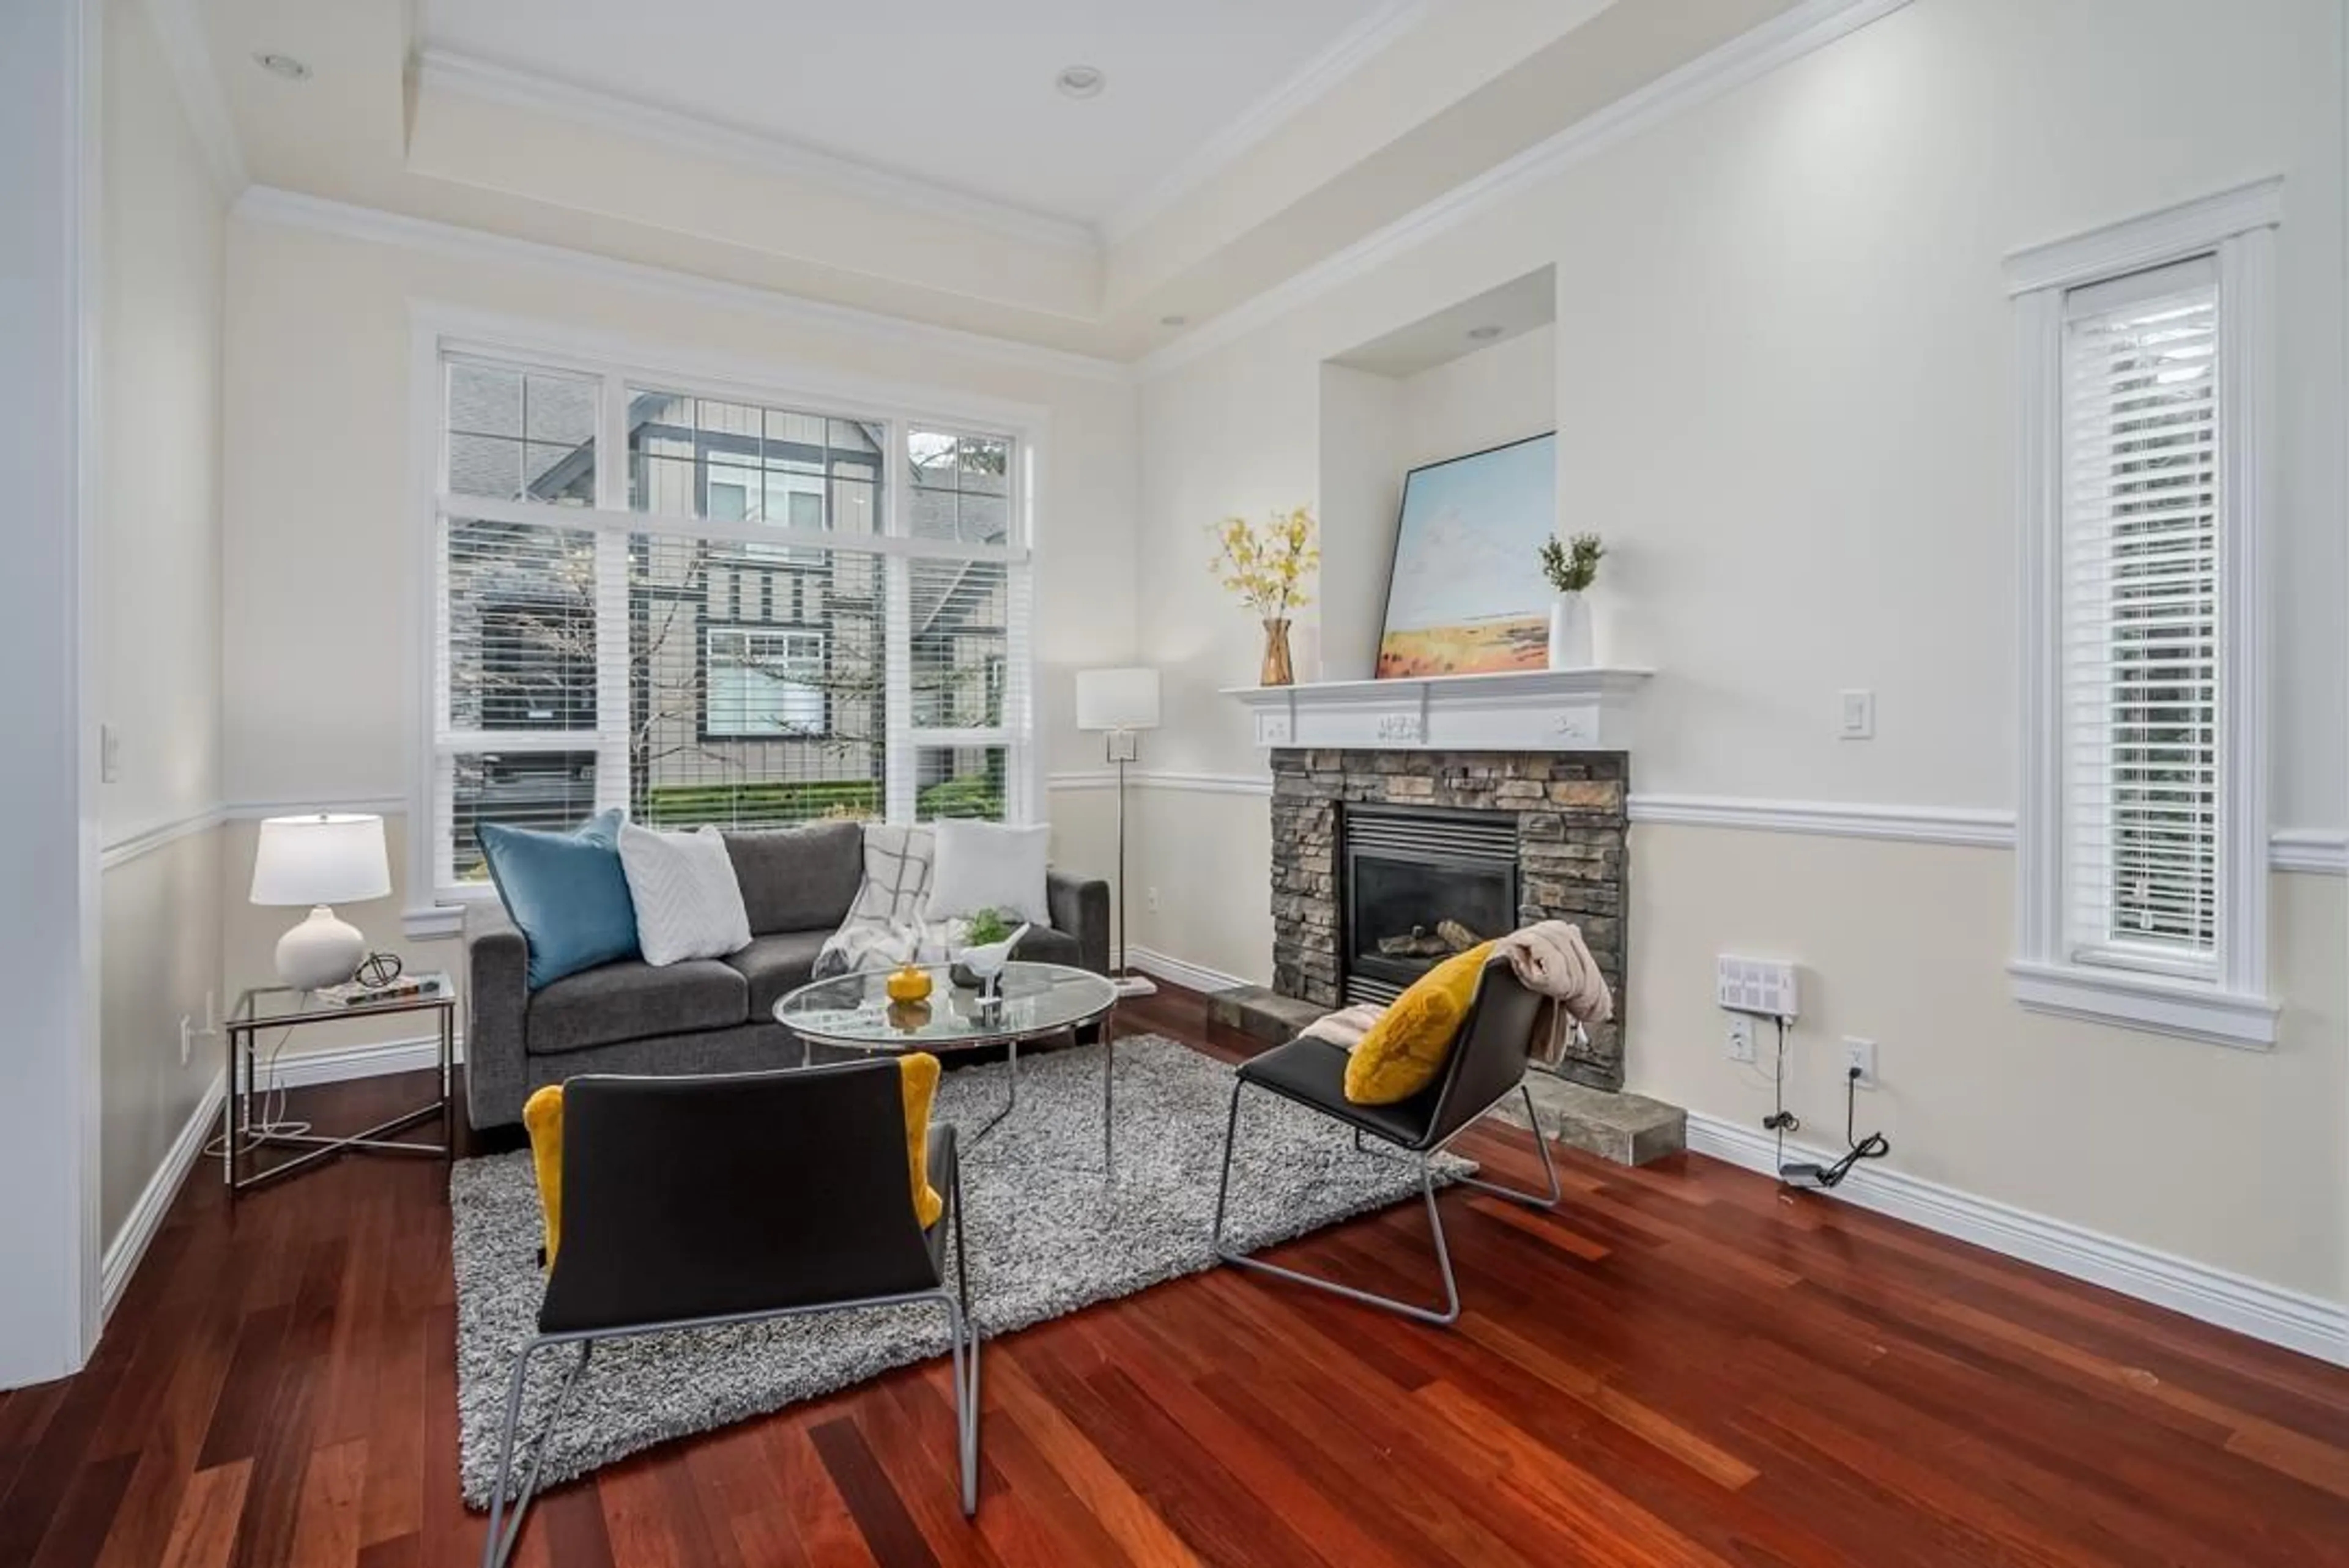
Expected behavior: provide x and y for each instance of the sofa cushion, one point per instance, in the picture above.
(777, 965)
(566, 892)
(1042, 944)
(799, 879)
(632, 1000)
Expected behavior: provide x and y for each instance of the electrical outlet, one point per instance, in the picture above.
(1860, 1055)
(187, 1038)
(1740, 1038)
(1150, 898)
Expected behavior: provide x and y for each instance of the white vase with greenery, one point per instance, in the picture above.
(1570, 567)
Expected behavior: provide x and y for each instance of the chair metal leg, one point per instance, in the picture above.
(1451, 1310)
(500, 1544)
(964, 1330)
(1532, 1121)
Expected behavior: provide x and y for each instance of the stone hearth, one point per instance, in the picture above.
(1573, 857)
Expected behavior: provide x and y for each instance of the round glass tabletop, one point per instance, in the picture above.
(855, 1010)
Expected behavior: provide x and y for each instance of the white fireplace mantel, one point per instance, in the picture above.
(1514, 710)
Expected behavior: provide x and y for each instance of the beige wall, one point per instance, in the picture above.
(322, 684)
(1781, 373)
(158, 600)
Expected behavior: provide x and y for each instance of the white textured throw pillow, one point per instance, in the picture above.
(986, 865)
(688, 904)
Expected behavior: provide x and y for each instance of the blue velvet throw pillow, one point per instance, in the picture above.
(565, 894)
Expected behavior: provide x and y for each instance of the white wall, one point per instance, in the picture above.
(49, 55)
(1782, 386)
(321, 684)
(158, 607)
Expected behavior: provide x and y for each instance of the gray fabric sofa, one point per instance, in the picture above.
(705, 1015)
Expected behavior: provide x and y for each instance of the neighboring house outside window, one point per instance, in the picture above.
(712, 609)
(2142, 834)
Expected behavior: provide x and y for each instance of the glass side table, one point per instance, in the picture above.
(267, 1009)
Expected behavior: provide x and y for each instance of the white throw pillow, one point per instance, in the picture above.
(688, 904)
(986, 865)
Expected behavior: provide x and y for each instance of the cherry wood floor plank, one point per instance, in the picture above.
(1680, 1365)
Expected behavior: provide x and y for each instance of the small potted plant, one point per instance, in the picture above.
(1267, 566)
(1570, 565)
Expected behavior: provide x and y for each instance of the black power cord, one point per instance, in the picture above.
(1782, 1121)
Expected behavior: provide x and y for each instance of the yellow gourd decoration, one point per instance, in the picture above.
(908, 983)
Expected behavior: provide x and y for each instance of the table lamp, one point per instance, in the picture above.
(1120, 701)
(322, 859)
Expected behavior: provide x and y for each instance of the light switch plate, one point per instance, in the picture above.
(1858, 715)
(110, 754)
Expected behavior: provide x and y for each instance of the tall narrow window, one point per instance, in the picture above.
(2141, 620)
(2142, 832)
(713, 608)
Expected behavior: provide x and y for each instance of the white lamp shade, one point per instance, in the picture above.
(329, 858)
(1117, 699)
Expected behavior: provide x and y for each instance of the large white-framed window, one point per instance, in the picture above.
(2144, 354)
(704, 598)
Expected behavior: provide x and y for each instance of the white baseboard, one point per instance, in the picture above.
(343, 1062)
(1165, 966)
(146, 1216)
(2307, 1324)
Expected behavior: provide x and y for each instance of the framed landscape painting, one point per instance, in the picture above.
(1465, 594)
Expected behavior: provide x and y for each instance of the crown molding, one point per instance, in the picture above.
(270, 204)
(1346, 55)
(179, 31)
(1786, 37)
(444, 70)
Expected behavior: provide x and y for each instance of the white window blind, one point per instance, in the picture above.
(714, 609)
(2141, 633)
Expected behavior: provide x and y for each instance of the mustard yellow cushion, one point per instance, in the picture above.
(542, 1114)
(1406, 1049)
(918, 1081)
(917, 1084)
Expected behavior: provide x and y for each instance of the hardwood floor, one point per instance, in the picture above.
(1681, 1364)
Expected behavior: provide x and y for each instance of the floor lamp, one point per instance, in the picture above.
(1119, 702)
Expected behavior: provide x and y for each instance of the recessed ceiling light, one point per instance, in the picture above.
(1080, 81)
(1173, 321)
(1484, 334)
(286, 65)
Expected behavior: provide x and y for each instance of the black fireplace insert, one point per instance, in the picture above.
(1419, 884)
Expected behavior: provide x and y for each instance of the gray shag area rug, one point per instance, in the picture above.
(1045, 1240)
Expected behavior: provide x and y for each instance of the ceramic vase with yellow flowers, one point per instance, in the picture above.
(1268, 564)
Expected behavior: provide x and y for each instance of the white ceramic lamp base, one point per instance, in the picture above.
(320, 951)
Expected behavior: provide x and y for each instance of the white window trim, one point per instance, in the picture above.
(2237, 228)
(434, 909)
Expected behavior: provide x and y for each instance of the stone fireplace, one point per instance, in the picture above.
(1374, 852)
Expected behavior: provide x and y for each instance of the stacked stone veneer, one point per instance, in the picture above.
(1573, 858)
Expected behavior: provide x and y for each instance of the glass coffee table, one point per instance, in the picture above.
(1033, 1001)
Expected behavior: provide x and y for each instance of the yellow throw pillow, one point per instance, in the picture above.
(542, 1114)
(1406, 1049)
(918, 1081)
